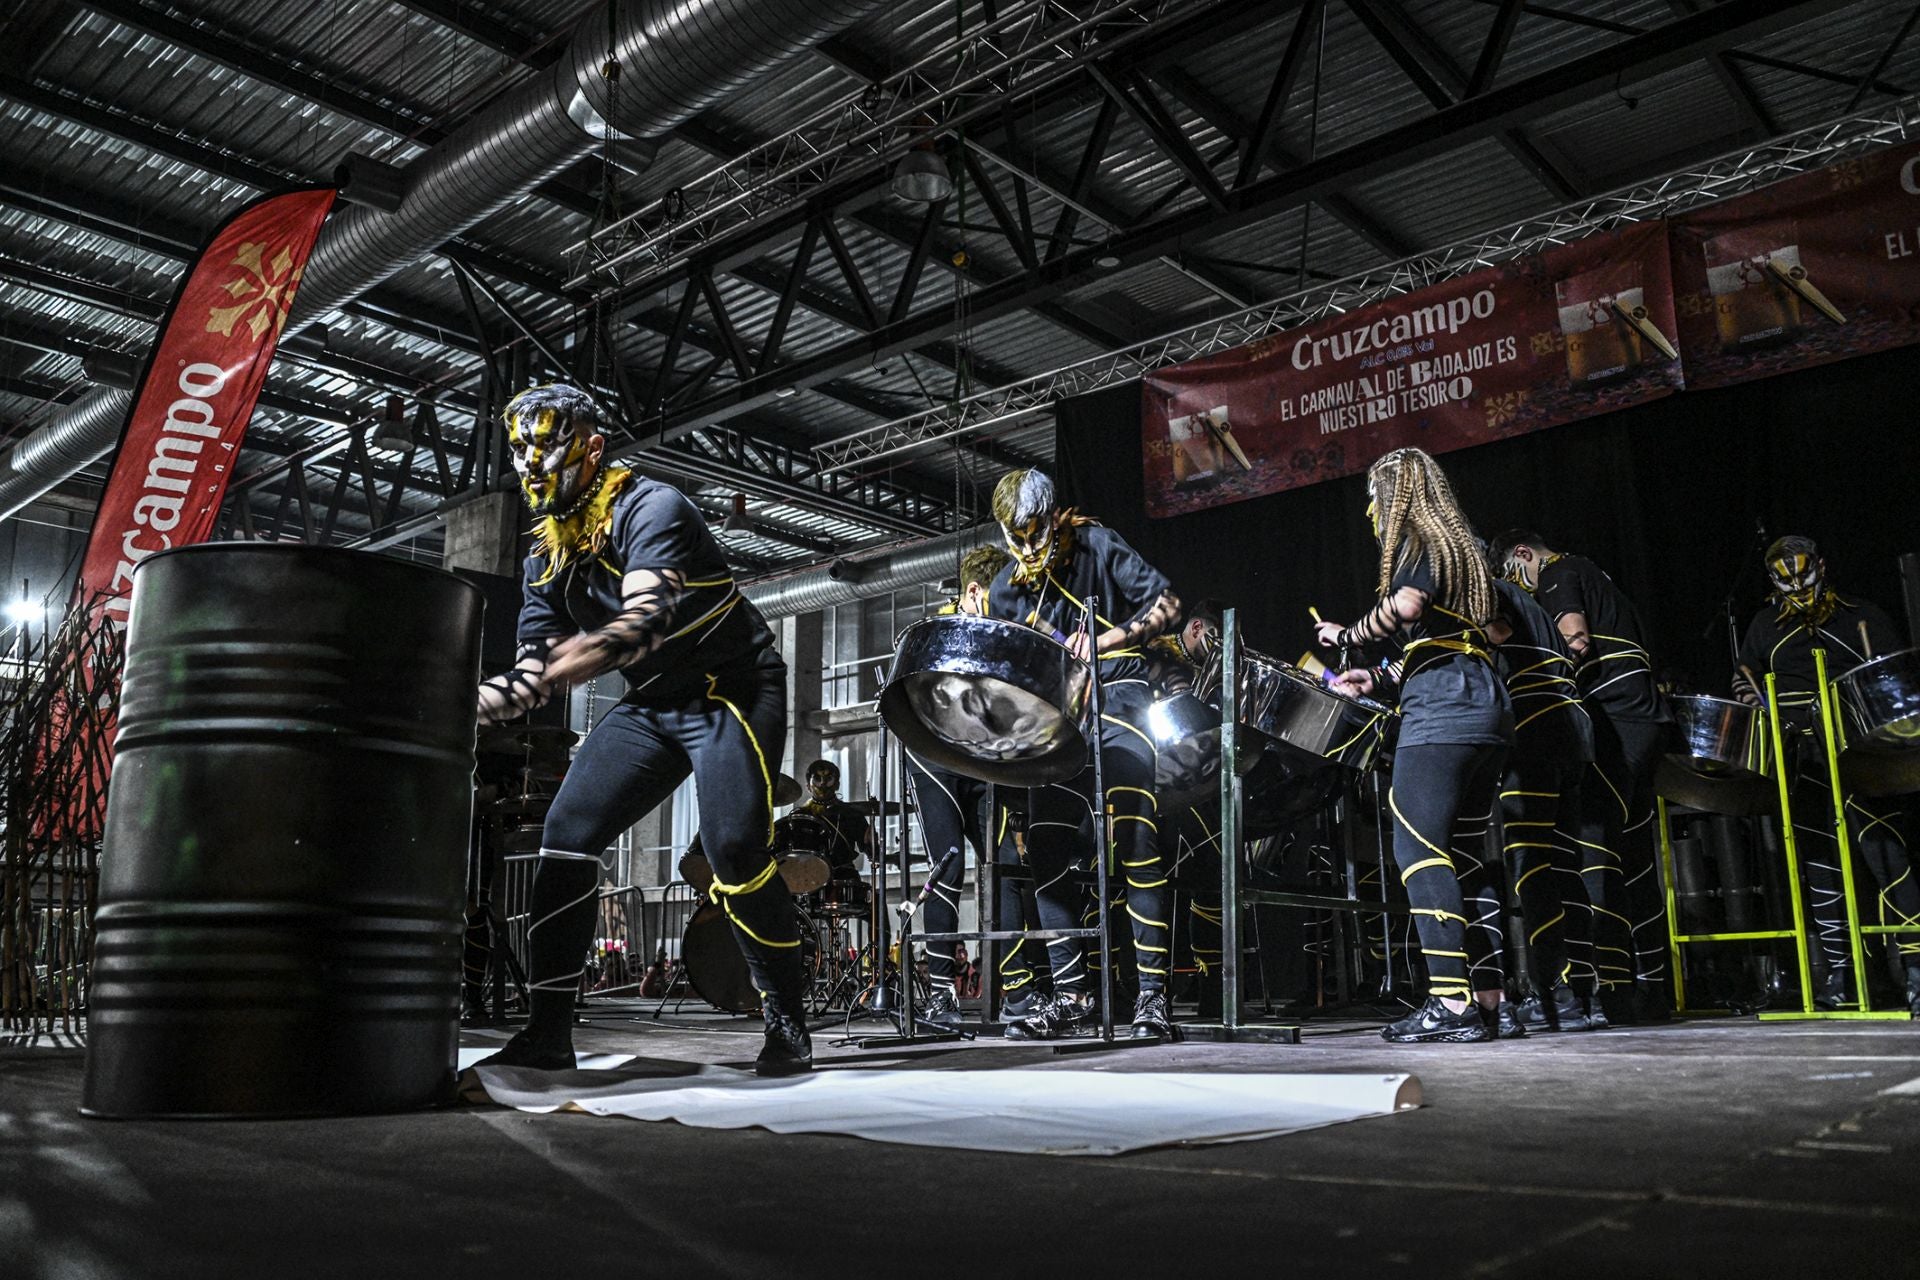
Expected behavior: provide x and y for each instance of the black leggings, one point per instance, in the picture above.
(730, 739)
(956, 811)
(1057, 819)
(1874, 831)
(1541, 804)
(1616, 841)
(1442, 801)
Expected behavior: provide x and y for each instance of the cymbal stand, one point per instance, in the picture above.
(876, 1000)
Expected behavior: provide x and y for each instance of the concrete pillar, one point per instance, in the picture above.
(484, 534)
(802, 645)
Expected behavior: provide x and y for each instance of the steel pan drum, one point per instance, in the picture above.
(1286, 705)
(1722, 761)
(715, 968)
(1880, 711)
(989, 700)
(1186, 746)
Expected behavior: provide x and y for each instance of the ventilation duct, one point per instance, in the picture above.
(844, 581)
(676, 59)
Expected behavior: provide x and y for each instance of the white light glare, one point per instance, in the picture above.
(21, 612)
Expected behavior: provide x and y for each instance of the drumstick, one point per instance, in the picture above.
(1866, 643)
(1313, 613)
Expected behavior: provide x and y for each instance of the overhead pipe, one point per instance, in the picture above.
(671, 60)
(844, 580)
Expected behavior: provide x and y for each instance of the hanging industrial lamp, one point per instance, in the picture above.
(922, 176)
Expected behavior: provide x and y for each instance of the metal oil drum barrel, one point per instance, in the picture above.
(282, 880)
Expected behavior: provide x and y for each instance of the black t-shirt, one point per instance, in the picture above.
(849, 834)
(1786, 649)
(1549, 722)
(1617, 676)
(714, 628)
(1446, 695)
(1103, 565)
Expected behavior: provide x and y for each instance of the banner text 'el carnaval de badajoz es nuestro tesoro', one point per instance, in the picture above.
(1817, 268)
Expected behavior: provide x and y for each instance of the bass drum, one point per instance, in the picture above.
(716, 970)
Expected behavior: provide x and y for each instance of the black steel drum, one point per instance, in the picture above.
(282, 885)
(715, 968)
(1721, 760)
(1880, 712)
(989, 699)
(1285, 705)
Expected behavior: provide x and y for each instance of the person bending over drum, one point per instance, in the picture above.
(1804, 612)
(1456, 726)
(954, 811)
(1060, 559)
(624, 576)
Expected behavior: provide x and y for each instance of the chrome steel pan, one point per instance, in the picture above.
(990, 700)
(1186, 748)
(1720, 761)
(1880, 712)
(1285, 704)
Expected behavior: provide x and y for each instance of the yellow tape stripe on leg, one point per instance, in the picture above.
(766, 777)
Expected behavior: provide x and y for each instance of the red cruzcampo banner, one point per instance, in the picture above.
(198, 392)
(1813, 269)
(1583, 329)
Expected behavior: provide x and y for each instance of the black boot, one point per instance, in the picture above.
(536, 1049)
(1060, 1014)
(788, 1050)
(1150, 1020)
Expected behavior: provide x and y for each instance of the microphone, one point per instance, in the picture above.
(908, 910)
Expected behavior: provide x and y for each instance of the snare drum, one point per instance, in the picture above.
(842, 897)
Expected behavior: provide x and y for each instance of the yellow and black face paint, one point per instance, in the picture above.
(1031, 544)
(1799, 585)
(550, 454)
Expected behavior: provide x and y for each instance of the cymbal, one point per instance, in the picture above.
(786, 791)
(516, 738)
(519, 804)
(872, 807)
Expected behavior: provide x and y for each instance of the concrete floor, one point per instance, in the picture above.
(1711, 1148)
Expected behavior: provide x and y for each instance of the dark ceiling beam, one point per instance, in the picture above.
(363, 106)
(1569, 83)
(1187, 89)
(1742, 57)
(1439, 80)
(514, 42)
(1746, 100)
(1494, 48)
(1880, 63)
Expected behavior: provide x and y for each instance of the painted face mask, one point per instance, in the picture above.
(1793, 567)
(1031, 544)
(823, 781)
(549, 449)
(1522, 573)
(1023, 505)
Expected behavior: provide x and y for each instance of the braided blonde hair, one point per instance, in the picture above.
(1418, 514)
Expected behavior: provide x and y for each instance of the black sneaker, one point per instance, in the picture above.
(537, 1052)
(1150, 1020)
(1596, 1013)
(1023, 1003)
(1063, 1012)
(1913, 988)
(1567, 1012)
(1503, 1021)
(788, 1050)
(1830, 992)
(1532, 1014)
(1433, 1022)
(941, 1010)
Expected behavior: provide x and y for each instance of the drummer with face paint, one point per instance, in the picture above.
(1805, 612)
(1062, 559)
(624, 576)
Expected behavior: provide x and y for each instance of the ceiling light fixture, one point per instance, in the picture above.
(737, 520)
(922, 176)
(392, 430)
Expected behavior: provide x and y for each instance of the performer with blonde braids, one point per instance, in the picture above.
(1436, 601)
(624, 576)
(1061, 559)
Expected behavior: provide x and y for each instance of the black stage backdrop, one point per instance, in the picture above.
(1670, 498)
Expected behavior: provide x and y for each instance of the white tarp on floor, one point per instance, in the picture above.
(1050, 1112)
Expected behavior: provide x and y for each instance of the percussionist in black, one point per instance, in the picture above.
(1615, 674)
(847, 834)
(625, 576)
(954, 811)
(1060, 560)
(1804, 612)
(1553, 746)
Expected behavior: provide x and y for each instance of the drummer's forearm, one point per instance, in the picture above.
(524, 688)
(1401, 608)
(1150, 623)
